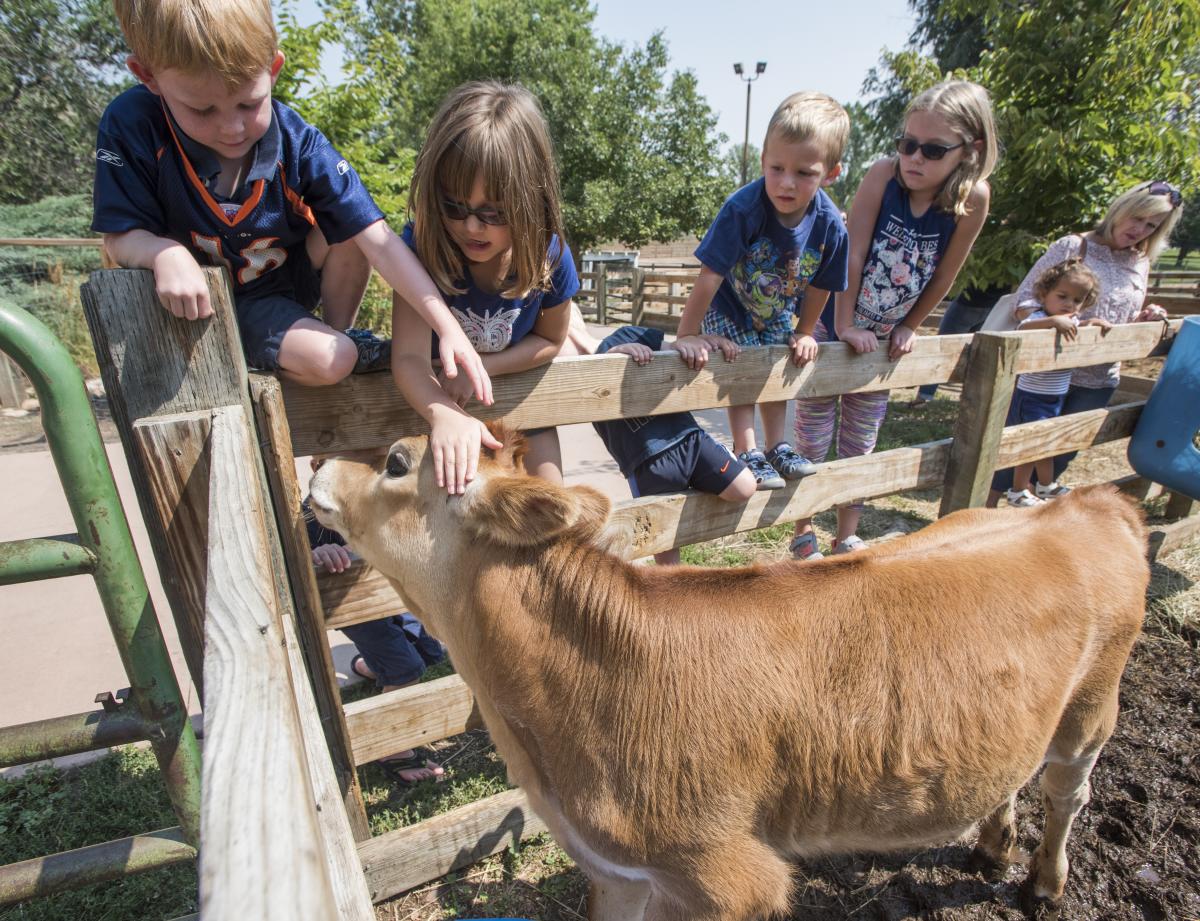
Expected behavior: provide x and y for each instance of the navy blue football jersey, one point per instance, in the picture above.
(151, 176)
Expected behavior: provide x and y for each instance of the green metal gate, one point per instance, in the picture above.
(153, 709)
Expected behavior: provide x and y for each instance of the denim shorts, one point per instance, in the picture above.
(1032, 407)
(397, 648)
(696, 462)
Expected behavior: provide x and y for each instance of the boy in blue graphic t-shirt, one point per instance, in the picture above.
(775, 251)
(198, 165)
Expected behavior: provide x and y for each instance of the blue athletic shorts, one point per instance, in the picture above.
(696, 462)
(263, 319)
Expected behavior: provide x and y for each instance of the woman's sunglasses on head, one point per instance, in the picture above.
(457, 211)
(1162, 187)
(909, 146)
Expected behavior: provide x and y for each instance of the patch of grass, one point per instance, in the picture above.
(49, 810)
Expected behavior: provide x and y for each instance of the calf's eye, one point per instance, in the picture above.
(397, 464)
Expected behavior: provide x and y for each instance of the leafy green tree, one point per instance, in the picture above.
(637, 148)
(1091, 96)
(1186, 235)
(60, 65)
(731, 164)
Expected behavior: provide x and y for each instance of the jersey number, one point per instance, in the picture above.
(260, 256)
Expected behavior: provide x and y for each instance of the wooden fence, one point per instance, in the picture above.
(212, 452)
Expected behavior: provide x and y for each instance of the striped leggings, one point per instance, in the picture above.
(861, 418)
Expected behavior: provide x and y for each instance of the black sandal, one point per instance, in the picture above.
(419, 760)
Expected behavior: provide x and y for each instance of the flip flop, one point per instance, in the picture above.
(420, 759)
(354, 667)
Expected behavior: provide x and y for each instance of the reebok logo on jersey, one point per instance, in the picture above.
(107, 156)
(343, 167)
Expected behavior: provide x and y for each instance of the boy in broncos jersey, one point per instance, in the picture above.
(198, 165)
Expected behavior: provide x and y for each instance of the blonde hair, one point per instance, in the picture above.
(495, 131)
(809, 116)
(967, 109)
(233, 38)
(1069, 270)
(1138, 202)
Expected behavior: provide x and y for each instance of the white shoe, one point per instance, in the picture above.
(1052, 491)
(1022, 499)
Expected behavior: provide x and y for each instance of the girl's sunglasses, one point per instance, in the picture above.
(909, 146)
(457, 211)
(1162, 187)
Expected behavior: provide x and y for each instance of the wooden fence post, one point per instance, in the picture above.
(163, 377)
(637, 291)
(601, 293)
(986, 394)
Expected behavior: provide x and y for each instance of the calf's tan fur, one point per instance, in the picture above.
(684, 732)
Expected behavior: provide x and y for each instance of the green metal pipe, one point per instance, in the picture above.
(96, 863)
(70, 735)
(87, 479)
(43, 558)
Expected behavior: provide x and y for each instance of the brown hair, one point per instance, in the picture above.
(496, 131)
(968, 110)
(233, 38)
(1071, 270)
(816, 117)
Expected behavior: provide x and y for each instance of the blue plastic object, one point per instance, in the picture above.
(1162, 448)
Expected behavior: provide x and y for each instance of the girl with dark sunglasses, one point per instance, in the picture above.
(487, 226)
(1120, 250)
(914, 219)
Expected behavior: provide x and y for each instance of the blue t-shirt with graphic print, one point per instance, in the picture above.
(767, 266)
(632, 442)
(905, 251)
(151, 176)
(493, 322)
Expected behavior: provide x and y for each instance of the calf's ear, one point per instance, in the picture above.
(521, 511)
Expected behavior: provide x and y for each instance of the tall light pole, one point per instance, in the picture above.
(758, 70)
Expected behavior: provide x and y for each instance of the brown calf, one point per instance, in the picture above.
(684, 732)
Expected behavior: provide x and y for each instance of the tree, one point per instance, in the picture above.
(1090, 96)
(637, 149)
(1186, 235)
(731, 164)
(60, 65)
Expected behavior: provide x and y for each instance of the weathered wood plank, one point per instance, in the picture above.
(416, 715)
(979, 425)
(408, 857)
(154, 364)
(301, 584)
(340, 849)
(1032, 441)
(262, 852)
(172, 454)
(366, 410)
(1168, 538)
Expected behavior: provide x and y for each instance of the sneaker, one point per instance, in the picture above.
(849, 545)
(1052, 491)
(1022, 499)
(764, 474)
(791, 466)
(374, 354)
(804, 548)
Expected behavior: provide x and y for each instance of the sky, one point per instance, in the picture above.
(814, 46)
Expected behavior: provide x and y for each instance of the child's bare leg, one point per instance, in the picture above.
(545, 456)
(345, 272)
(741, 489)
(741, 426)
(847, 520)
(774, 419)
(315, 355)
(579, 341)
(1021, 475)
(1045, 472)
